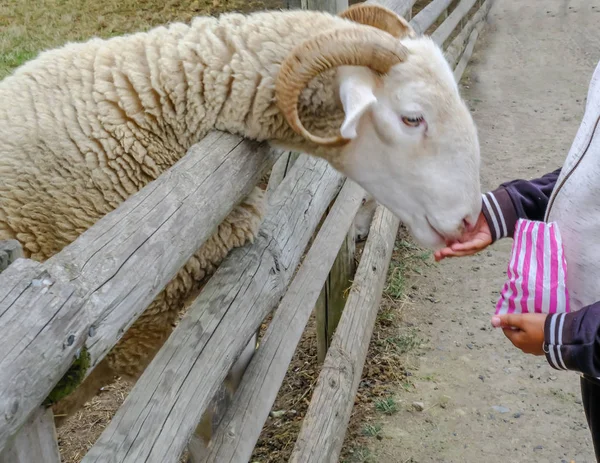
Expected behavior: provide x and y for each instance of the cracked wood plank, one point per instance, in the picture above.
(241, 426)
(108, 276)
(443, 32)
(36, 442)
(457, 47)
(164, 407)
(429, 15)
(324, 426)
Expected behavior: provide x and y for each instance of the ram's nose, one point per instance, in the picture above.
(467, 224)
(451, 231)
(460, 228)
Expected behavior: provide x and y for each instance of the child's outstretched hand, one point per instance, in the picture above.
(525, 331)
(471, 242)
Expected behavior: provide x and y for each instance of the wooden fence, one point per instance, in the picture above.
(81, 301)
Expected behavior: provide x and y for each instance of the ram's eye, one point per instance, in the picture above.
(412, 121)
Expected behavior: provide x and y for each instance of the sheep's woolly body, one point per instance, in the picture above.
(85, 126)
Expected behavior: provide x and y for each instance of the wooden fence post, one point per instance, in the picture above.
(332, 6)
(332, 299)
(408, 15)
(36, 441)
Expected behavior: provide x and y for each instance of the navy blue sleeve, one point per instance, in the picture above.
(530, 198)
(518, 199)
(572, 340)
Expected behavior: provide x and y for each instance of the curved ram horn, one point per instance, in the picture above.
(379, 17)
(351, 46)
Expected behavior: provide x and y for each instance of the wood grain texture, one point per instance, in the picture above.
(36, 442)
(457, 46)
(129, 256)
(429, 15)
(281, 168)
(161, 412)
(331, 6)
(108, 276)
(37, 318)
(237, 434)
(326, 420)
(332, 300)
(292, 4)
(443, 32)
(466, 56)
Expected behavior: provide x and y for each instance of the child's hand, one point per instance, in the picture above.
(529, 333)
(471, 242)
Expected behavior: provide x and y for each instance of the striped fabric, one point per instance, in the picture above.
(498, 224)
(552, 349)
(537, 271)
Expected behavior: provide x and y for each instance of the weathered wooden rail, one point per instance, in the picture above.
(82, 300)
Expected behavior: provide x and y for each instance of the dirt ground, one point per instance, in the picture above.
(484, 400)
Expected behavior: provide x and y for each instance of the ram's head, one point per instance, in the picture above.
(408, 137)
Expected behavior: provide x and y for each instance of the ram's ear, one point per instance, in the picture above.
(357, 94)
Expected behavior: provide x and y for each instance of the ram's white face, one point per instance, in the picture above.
(414, 144)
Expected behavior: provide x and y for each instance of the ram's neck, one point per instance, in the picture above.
(236, 60)
(180, 82)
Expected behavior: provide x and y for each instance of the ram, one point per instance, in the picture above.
(85, 126)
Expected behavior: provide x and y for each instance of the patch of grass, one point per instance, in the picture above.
(396, 281)
(386, 317)
(406, 245)
(14, 59)
(31, 26)
(372, 430)
(404, 343)
(360, 455)
(387, 405)
(424, 255)
(407, 386)
(407, 258)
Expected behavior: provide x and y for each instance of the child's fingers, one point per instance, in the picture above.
(515, 336)
(471, 245)
(498, 323)
(511, 319)
(442, 254)
(450, 253)
(458, 249)
(447, 252)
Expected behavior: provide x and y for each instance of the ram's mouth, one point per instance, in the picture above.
(441, 236)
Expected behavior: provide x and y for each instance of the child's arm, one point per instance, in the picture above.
(572, 340)
(527, 199)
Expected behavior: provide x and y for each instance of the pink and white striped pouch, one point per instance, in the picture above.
(537, 271)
